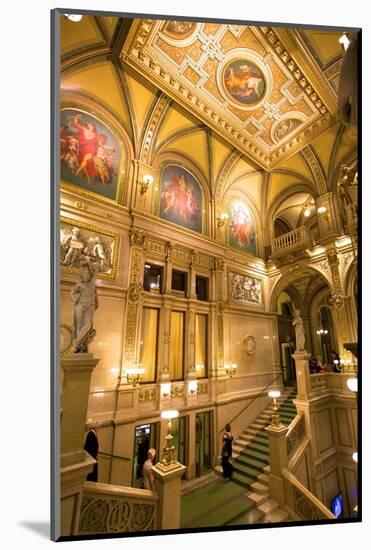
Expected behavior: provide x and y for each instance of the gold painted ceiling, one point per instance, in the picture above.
(265, 90)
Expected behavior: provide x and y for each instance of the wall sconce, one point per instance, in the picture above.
(276, 421)
(344, 41)
(134, 375)
(230, 369)
(352, 384)
(75, 17)
(192, 387)
(147, 180)
(224, 216)
(355, 457)
(322, 332)
(321, 209)
(168, 456)
(307, 212)
(165, 390)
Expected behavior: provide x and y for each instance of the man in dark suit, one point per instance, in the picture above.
(92, 447)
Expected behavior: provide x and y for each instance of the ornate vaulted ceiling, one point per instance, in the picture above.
(269, 92)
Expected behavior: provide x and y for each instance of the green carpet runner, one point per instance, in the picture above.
(225, 503)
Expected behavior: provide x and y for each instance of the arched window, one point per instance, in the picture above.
(327, 341)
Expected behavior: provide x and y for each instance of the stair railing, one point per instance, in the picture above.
(252, 401)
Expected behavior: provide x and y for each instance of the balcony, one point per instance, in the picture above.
(292, 245)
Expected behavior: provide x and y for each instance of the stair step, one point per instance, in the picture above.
(242, 480)
(263, 449)
(269, 506)
(278, 516)
(253, 462)
(249, 440)
(255, 454)
(258, 498)
(245, 470)
(248, 518)
(258, 487)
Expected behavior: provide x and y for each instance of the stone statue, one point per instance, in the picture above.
(297, 322)
(85, 299)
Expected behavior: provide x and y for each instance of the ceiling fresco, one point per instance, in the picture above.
(241, 81)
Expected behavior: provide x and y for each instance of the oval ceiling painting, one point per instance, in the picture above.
(244, 82)
(179, 29)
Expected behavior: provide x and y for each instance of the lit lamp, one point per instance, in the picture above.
(224, 216)
(192, 387)
(134, 374)
(168, 456)
(344, 41)
(230, 369)
(165, 390)
(75, 17)
(352, 384)
(322, 332)
(147, 180)
(276, 421)
(355, 457)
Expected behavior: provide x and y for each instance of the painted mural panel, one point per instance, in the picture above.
(244, 82)
(90, 153)
(242, 229)
(181, 198)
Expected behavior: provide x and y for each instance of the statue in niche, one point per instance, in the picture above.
(297, 322)
(85, 299)
(74, 246)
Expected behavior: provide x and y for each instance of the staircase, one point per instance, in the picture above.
(251, 449)
(246, 499)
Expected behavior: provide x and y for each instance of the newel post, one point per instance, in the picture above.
(167, 486)
(75, 462)
(278, 461)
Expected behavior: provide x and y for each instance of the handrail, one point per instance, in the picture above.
(114, 456)
(314, 506)
(251, 402)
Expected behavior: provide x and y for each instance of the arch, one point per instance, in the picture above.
(97, 109)
(316, 168)
(233, 157)
(303, 187)
(289, 276)
(152, 128)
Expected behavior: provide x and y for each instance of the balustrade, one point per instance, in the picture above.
(294, 239)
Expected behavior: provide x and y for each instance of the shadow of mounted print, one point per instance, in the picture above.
(242, 231)
(90, 153)
(181, 198)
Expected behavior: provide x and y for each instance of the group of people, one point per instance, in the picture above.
(145, 458)
(316, 365)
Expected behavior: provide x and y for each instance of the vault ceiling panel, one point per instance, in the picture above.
(220, 151)
(100, 80)
(79, 36)
(244, 82)
(142, 98)
(174, 121)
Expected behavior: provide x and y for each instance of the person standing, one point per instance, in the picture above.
(142, 452)
(227, 453)
(92, 447)
(148, 477)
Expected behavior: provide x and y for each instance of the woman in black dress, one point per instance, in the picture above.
(227, 453)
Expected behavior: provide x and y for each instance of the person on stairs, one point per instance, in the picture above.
(227, 453)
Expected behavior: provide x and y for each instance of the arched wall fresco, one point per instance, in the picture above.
(181, 198)
(242, 232)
